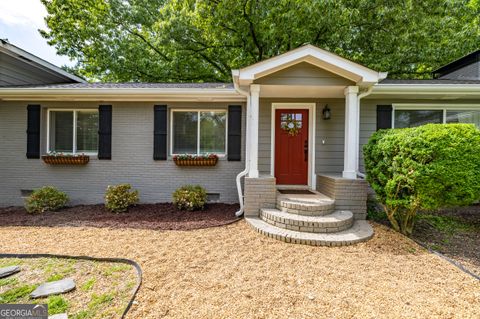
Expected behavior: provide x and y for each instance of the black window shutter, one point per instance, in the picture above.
(160, 132)
(105, 132)
(33, 131)
(384, 116)
(234, 133)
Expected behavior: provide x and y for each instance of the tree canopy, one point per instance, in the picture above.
(202, 40)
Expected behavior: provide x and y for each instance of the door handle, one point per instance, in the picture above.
(305, 150)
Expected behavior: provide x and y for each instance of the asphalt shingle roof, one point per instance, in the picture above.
(130, 85)
(434, 81)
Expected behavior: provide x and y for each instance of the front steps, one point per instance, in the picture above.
(310, 219)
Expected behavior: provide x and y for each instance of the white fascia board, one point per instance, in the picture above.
(126, 94)
(316, 56)
(426, 89)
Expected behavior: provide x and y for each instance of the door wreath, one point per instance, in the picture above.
(291, 126)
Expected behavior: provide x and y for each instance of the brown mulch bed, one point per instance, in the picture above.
(462, 245)
(162, 216)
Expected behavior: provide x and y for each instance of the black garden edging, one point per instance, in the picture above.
(451, 261)
(117, 260)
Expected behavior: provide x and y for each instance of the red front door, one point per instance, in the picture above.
(291, 146)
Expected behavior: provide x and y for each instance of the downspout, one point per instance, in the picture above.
(381, 76)
(247, 158)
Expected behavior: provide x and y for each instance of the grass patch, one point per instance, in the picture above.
(55, 277)
(88, 285)
(57, 304)
(84, 314)
(8, 281)
(95, 305)
(10, 262)
(102, 287)
(17, 293)
(98, 300)
(116, 268)
(59, 267)
(446, 224)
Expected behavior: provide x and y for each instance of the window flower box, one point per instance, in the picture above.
(65, 159)
(196, 160)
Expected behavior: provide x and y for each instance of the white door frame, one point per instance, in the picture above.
(311, 107)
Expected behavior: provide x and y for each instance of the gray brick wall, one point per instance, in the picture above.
(259, 193)
(349, 194)
(132, 158)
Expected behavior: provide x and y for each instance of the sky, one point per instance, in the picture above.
(19, 23)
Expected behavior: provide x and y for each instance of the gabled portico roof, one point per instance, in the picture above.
(323, 59)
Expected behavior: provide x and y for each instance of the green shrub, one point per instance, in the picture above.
(190, 197)
(47, 198)
(119, 197)
(423, 168)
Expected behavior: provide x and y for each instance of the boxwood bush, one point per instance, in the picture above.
(190, 197)
(118, 198)
(423, 168)
(47, 198)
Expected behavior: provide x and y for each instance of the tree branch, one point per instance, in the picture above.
(252, 31)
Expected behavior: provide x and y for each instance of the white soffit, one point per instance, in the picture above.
(323, 59)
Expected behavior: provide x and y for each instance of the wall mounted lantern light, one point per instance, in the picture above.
(326, 112)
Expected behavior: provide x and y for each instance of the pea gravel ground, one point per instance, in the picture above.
(233, 272)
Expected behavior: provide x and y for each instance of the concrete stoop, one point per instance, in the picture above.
(310, 220)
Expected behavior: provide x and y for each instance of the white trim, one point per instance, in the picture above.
(254, 128)
(445, 107)
(74, 137)
(198, 110)
(413, 106)
(393, 116)
(311, 107)
(352, 130)
(74, 144)
(313, 55)
(122, 94)
(430, 89)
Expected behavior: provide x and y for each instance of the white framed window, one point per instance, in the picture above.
(72, 131)
(198, 131)
(411, 115)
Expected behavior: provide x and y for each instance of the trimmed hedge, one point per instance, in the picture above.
(423, 168)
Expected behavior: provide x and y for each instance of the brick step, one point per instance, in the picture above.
(306, 207)
(334, 222)
(360, 231)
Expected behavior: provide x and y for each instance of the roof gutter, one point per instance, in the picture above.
(119, 94)
(473, 89)
(235, 74)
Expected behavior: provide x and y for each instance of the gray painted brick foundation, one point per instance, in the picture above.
(349, 194)
(259, 193)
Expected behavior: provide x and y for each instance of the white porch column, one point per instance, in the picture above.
(254, 114)
(352, 127)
